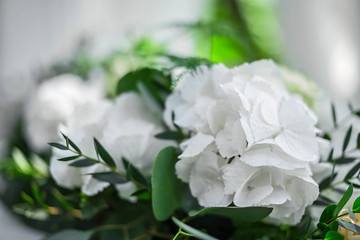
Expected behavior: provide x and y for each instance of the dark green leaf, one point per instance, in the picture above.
(357, 113)
(327, 181)
(322, 226)
(104, 154)
(58, 146)
(345, 160)
(347, 139)
(71, 234)
(330, 155)
(343, 200)
(358, 141)
(356, 205)
(350, 226)
(171, 135)
(66, 140)
(196, 233)
(167, 189)
(82, 163)
(74, 146)
(333, 114)
(352, 171)
(154, 81)
(109, 177)
(328, 213)
(134, 173)
(68, 158)
(333, 235)
(249, 214)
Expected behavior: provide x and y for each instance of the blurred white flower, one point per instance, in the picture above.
(126, 128)
(252, 141)
(52, 104)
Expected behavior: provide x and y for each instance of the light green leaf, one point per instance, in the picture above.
(249, 214)
(333, 235)
(356, 205)
(196, 233)
(167, 189)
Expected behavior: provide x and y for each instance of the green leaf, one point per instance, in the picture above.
(347, 139)
(74, 146)
(109, 177)
(36, 193)
(356, 205)
(169, 135)
(27, 198)
(58, 145)
(352, 171)
(167, 189)
(350, 226)
(71, 234)
(21, 162)
(248, 214)
(68, 158)
(155, 82)
(333, 114)
(327, 214)
(345, 160)
(343, 200)
(330, 155)
(82, 163)
(333, 235)
(196, 233)
(104, 154)
(134, 173)
(327, 181)
(358, 141)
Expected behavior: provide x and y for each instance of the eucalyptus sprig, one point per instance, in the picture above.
(113, 176)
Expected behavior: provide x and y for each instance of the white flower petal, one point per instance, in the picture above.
(301, 146)
(206, 183)
(196, 145)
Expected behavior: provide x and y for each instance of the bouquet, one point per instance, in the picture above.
(152, 145)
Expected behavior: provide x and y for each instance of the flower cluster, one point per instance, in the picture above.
(126, 128)
(252, 142)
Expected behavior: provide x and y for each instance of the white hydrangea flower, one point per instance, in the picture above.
(252, 141)
(126, 128)
(87, 122)
(52, 103)
(193, 94)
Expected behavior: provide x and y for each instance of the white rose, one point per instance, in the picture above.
(52, 104)
(252, 141)
(126, 129)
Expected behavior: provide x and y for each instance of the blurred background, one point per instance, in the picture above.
(318, 38)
